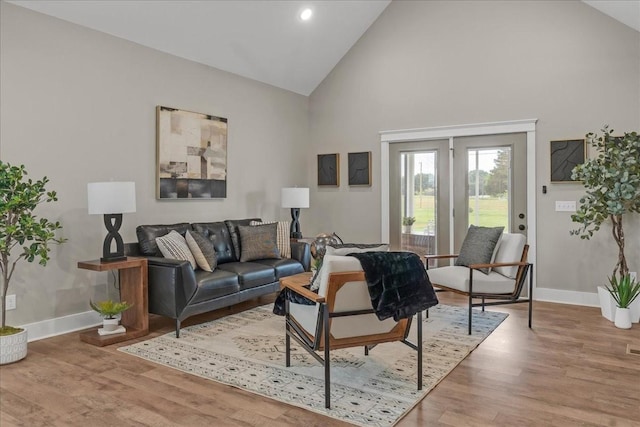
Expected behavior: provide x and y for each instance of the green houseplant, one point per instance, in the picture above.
(407, 223)
(109, 309)
(612, 183)
(408, 220)
(23, 236)
(624, 292)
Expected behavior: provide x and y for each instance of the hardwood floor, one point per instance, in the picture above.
(570, 369)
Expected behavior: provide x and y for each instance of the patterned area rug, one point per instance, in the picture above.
(246, 350)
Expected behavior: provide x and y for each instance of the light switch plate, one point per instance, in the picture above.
(566, 206)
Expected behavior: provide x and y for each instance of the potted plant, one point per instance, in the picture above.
(109, 309)
(23, 236)
(612, 183)
(624, 292)
(407, 223)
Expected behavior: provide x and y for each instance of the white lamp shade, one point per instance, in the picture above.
(111, 197)
(295, 197)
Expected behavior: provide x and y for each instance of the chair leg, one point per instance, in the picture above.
(470, 298)
(327, 370)
(366, 350)
(470, 312)
(419, 343)
(287, 343)
(177, 328)
(530, 294)
(483, 304)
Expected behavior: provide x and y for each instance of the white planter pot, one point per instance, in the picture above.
(635, 310)
(110, 324)
(406, 229)
(607, 304)
(623, 318)
(13, 347)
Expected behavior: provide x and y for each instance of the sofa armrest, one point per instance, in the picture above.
(171, 283)
(301, 251)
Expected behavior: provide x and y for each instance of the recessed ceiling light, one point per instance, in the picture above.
(305, 15)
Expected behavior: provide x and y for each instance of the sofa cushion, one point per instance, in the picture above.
(479, 246)
(232, 226)
(147, 235)
(174, 246)
(250, 274)
(283, 237)
(284, 267)
(202, 250)
(214, 284)
(258, 242)
(218, 234)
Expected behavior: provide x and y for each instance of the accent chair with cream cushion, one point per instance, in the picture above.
(342, 307)
(504, 282)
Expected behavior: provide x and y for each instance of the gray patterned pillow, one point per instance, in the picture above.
(284, 240)
(202, 250)
(479, 245)
(174, 246)
(258, 242)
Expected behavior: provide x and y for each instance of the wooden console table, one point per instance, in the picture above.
(133, 289)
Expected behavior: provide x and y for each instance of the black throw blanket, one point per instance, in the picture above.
(398, 283)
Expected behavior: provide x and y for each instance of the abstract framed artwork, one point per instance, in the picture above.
(360, 169)
(329, 170)
(191, 155)
(565, 155)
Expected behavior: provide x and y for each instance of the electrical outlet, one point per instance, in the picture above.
(565, 206)
(634, 275)
(10, 302)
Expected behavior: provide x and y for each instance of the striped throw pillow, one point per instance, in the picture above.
(283, 240)
(174, 246)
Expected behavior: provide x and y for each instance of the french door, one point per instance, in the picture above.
(449, 184)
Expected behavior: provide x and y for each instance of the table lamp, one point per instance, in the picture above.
(295, 198)
(112, 199)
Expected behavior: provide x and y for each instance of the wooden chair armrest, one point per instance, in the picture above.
(301, 290)
(498, 264)
(428, 257)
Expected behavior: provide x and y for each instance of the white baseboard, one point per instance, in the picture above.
(62, 325)
(566, 297)
(88, 319)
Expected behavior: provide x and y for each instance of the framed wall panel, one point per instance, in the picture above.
(360, 169)
(565, 155)
(329, 170)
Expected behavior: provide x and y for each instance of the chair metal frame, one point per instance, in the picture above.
(323, 341)
(524, 269)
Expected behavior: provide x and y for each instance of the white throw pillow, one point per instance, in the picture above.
(342, 250)
(174, 246)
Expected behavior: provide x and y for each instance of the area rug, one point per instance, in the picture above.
(246, 350)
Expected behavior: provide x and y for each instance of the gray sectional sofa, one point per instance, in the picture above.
(178, 291)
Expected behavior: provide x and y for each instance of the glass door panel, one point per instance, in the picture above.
(489, 178)
(418, 188)
(419, 201)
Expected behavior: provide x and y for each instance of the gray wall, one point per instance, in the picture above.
(430, 63)
(79, 106)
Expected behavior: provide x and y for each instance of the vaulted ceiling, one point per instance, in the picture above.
(262, 40)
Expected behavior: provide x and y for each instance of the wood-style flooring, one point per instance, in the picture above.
(571, 369)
